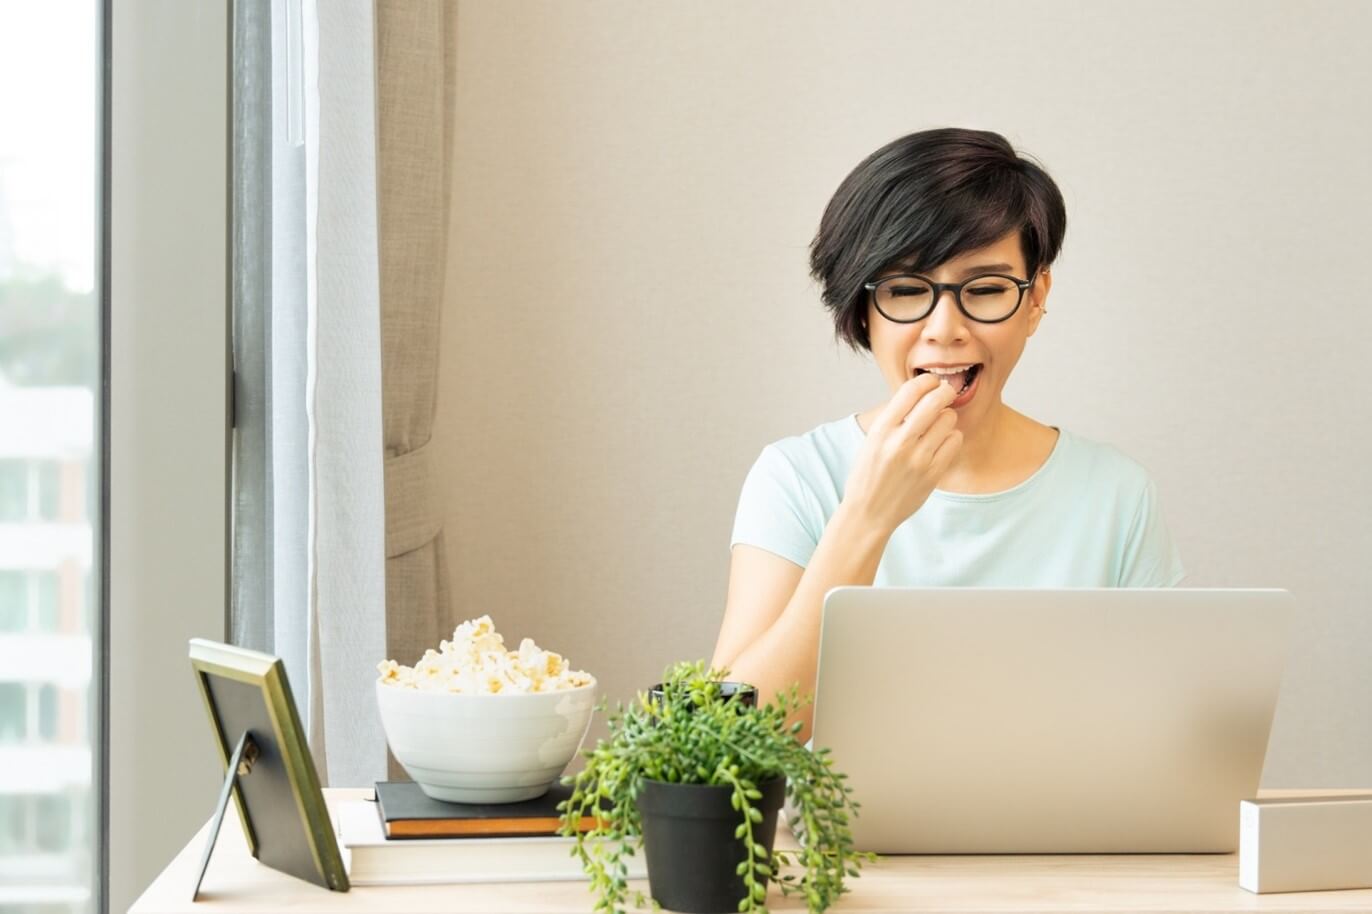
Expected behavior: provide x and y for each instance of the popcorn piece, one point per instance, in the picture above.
(476, 662)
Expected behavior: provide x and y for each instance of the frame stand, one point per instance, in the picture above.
(240, 766)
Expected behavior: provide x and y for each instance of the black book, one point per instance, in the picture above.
(407, 812)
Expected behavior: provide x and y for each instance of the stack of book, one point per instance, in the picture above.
(405, 837)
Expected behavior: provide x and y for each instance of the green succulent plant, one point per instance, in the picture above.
(693, 735)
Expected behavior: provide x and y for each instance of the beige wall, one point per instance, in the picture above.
(631, 318)
(168, 411)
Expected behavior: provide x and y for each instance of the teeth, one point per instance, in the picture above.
(946, 371)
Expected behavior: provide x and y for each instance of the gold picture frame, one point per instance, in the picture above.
(267, 762)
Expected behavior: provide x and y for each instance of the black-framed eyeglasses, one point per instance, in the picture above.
(990, 298)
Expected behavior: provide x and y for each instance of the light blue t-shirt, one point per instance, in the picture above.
(1089, 517)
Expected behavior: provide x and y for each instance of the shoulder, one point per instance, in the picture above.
(1105, 467)
(1125, 497)
(822, 450)
(793, 487)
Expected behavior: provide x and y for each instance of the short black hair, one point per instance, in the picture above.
(929, 196)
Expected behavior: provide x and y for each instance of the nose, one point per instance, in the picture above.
(946, 323)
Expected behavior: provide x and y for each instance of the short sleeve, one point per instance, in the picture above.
(1150, 556)
(773, 511)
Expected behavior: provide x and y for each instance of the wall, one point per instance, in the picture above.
(168, 415)
(631, 320)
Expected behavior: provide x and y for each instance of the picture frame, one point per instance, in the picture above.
(268, 767)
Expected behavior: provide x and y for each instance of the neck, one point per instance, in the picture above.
(988, 441)
(992, 455)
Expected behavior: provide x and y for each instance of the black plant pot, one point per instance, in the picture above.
(746, 694)
(689, 843)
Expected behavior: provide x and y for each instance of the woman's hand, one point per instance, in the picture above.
(909, 447)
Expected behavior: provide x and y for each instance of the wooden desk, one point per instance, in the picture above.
(1191, 883)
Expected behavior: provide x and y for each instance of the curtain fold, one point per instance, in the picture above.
(347, 568)
(416, 67)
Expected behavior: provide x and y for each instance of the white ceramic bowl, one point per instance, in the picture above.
(499, 748)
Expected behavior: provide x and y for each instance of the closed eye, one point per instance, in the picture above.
(908, 290)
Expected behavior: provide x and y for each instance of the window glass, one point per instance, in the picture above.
(14, 712)
(53, 822)
(48, 698)
(14, 601)
(14, 824)
(45, 590)
(48, 476)
(14, 486)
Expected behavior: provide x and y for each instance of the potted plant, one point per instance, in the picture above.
(695, 773)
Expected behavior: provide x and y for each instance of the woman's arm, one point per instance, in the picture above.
(770, 633)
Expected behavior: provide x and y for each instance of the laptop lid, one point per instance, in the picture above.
(1049, 721)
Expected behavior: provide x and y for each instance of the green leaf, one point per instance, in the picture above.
(692, 736)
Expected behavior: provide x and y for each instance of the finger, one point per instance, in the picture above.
(945, 422)
(945, 455)
(904, 399)
(922, 416)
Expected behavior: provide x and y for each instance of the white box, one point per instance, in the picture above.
(1301, 844)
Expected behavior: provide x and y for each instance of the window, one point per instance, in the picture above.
(14, 713)
(13, 824)
(29, 489)
(30, 601)
(45, 602)
(14, 601)
(14, 488)
(52, 822)
(47, 713)
(47, 486)
(50, 376)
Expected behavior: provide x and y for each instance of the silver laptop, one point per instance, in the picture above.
(988, 721)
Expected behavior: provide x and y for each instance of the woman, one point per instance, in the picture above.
(934, 255)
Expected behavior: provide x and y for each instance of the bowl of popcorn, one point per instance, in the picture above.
(473, 722)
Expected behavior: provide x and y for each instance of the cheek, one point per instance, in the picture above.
(1005, 350)
(891, 345)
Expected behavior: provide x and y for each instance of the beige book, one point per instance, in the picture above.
(374, 859)
(1302, 844)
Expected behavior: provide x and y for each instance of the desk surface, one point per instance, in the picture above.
(236, 882)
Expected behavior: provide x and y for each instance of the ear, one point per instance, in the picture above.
(1038, 297)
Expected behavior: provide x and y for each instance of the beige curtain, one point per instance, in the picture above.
(415, 50)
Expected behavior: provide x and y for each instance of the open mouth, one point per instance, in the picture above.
(960, 378)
